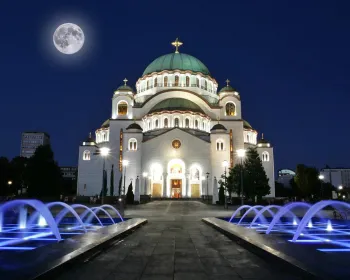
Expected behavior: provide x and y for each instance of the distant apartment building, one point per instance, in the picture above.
(69, 175)
(337, 176)
(69, 172)
(32, 140)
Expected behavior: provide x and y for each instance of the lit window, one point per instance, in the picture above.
(156, 123)
(196, 124)
(176, 121)
(132, 144)
(166, 122)
(187, 81)
(219, 145)
(155, 82)
(147, 85)
(248, 138)
(86, 155)
(265, 156)
(230, 109)
(149, 125)
(122, 108)
(165, 81)
(187, 123)
(176, 81)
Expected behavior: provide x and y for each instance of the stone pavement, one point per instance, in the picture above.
(175, 244)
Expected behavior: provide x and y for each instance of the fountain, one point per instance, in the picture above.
(31, 220)
(287, 222)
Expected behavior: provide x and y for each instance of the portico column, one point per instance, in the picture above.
(188, 185)
(137, 189)
(215, 191)
(165, 185)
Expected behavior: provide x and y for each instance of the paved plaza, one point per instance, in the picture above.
(175, 244)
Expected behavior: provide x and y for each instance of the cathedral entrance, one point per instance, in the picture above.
(176, 188)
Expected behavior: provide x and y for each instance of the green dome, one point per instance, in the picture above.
(176, 104)
(176, 61)
(125, 88)
(227, 88)
(247, 125)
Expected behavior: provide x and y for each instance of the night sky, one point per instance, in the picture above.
(288, 59)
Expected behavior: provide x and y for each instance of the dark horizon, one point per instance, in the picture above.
(289, 62)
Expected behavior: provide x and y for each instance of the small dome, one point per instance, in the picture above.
(176, 61)
(125, 88)
(105, 124)
(227, 89)
(247, 125)
(176, 104)
(134, 126)
(263, 142)
(89, 140)
(218, 127)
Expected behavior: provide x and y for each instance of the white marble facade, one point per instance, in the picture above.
(174, 132)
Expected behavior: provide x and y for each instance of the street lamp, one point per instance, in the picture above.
(145, 174)
(321, 177)
(340, 187)
(241, 154)
(125, 164)
(9, 183)
(225, 165)
(104, 152)
(208, 186)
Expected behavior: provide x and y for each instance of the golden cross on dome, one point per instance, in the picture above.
(227, 82)
(177, 44)
(125, 81)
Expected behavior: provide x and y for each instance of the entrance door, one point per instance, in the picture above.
(156, 192)
(195, 191)
(176, 188)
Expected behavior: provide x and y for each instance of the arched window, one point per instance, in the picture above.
(132, 144)
(265, 156)
(230, 109)
(86, 155)
(147, 85)
(219, 145)
(176, 81)
(149, 125)
(187, 123)
(187, 81)
(196, 124)
(122, 108)
(166, 122)
(197, 82)
(205, 84)
(176, 122)
(166, 81)
(155, 82)
(156, 123)
(248, 138)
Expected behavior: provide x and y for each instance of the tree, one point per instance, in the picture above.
(120, 185)
(4, 176)
(104, 183)
(130, 195)
(256, 183)
(43, 175)
(234, 179)
(307, 181)
(111, 190)
(18, 168)
(221, 193)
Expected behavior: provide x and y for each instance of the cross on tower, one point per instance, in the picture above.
(125, 81)
(227, 82)
(177, 44)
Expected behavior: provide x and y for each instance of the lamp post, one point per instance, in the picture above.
(208, 187)
(125, 164)
(321, 177)
(241, 155)
(145, 174)
(225, 164)
(340, 187)
(104, 152)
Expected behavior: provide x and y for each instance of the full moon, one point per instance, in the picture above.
(68, 38)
